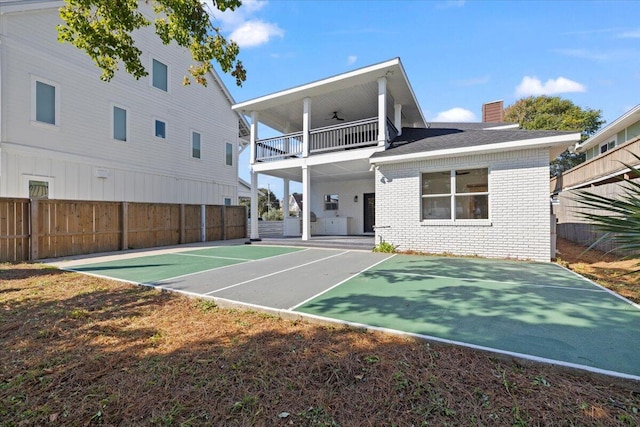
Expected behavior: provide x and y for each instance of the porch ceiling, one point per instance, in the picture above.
(352, 95)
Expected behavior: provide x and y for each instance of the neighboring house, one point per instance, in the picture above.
(65, 134)
(244, 192)
(295, 204)
(369, 163)
(607, 153)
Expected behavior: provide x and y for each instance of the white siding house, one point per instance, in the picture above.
(66, 134)
(608, 152)
(369, 163)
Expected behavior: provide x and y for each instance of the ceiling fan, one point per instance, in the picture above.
(335, 117)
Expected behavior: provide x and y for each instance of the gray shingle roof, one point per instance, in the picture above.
(420, 140)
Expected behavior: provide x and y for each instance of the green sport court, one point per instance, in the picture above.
(536, 311)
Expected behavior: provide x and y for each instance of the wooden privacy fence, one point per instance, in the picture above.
(37, 229)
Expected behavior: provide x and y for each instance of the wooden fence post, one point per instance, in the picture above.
(183, 222)
(224, 225)
(35, 232)
(203, 223)
(125, 226)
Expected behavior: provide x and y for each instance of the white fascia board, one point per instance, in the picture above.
(509, 126)
(413, 95)
(317, 159)
(278, 164)
(611, 129)
(247, 105)
(342, 156)
(522, 144)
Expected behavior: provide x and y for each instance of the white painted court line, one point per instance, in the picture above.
(628, 301)
(340, 283)
(277, 272)
(472, 346)
(212, 256)
(218, 268)
(474, 279)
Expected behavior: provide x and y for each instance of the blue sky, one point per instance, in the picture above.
(457, 54)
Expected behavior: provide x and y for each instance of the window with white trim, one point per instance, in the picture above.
(160, 129)
(607, 146)
(227, 201)
(159, 75)
(228, 154)
(195, 145)
(455, 195)
(45, 101)
(120, 123)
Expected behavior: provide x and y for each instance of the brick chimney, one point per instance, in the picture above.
(493, 112)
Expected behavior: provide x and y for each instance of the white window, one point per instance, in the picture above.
(45, 101)
(160, 128)
(195, 145)
(228, 159)
(159, 75)
(120, 123)
(607, 146)
(227, 201)
(455, 195)
(331, 202)
(38, 187)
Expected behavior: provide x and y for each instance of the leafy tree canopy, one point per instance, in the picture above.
(267, 200)
(555, 113)
(103, 29)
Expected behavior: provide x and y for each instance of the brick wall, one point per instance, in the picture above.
(518, 225)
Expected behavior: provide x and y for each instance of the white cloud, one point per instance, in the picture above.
(532, 86)
(244, 28)
(351, 59)
(630, 35)
(255, 33)
(455, 114)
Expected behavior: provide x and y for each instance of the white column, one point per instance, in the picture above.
(382, 111)
(285, 198)
(254, 235)
(306, 126)
(397, 118)
(306, 204)
(253, 136)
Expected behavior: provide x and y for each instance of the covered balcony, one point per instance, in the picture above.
(347, 136)
(322, 135)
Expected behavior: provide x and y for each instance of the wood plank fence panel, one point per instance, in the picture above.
(75, 227)
(14, 230)
(54, 228)
(192, 223)
(235, 222)
(213, 225)
(153, 224)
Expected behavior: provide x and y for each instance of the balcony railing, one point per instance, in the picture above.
(344, 136)
(599, 167)
(279, 148)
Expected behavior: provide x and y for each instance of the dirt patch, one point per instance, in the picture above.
(78, 351)
(612, 271)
